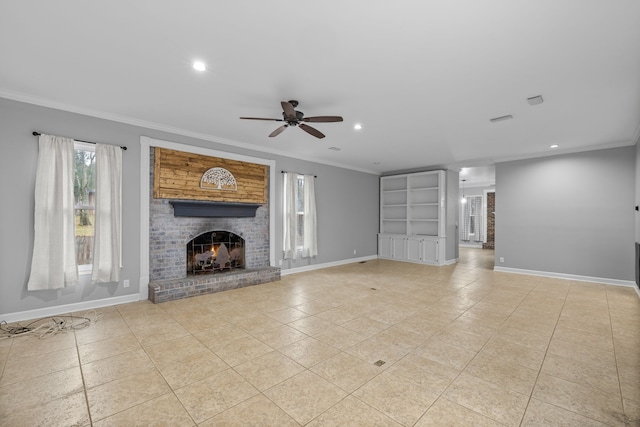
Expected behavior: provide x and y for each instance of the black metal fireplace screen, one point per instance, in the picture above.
(215, 251)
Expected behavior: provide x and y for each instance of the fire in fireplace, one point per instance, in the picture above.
(215, 251)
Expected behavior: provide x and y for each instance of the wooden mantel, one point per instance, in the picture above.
(178, 175)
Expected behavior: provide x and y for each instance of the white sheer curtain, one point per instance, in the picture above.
(290, 230)
(53, 264)
(107, 254)
(310, 236)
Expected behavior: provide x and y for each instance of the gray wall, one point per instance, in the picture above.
(570, 214)
(347, 202)
(637, 191)
(453, 214)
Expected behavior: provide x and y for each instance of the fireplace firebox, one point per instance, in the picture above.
(215, 252)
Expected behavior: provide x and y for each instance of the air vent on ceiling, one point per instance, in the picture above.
(501, 118)
(535, 100)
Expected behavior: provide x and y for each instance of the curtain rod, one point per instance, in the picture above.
(79, 140)
(315, 176)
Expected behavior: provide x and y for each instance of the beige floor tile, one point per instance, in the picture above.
(215, 394)
(446, 413)
(352, 412)
(305, 396)
(268, 370)
(32, 346)
(165, 410)
(119, 395)
(365, 326)
(339, 315)
(107, 348)
(23, 368)
(582, 353)
(196, 322)
(111, 327)
(629, 381)
(462, 338)
(503, 373)
(339, 337)
(280, 336)
(242, 350)
(424, 372)
(631, 411)
(498, 348)
(309, 351)
(115, 367)
(488, 399)
(174, 350)
(581, 399)
(287, 315)
(38, 390)
(313, 307)
(311, 325)
(257, 411)
(68, 410)
(346, 371)
(540, 414)
(258, 323)
(219, 337)
(191, 368)
(526, 339)
(603, 378)
(376, 349)
(156, 333)
(396, 397)
(445, 354)
(577, 336)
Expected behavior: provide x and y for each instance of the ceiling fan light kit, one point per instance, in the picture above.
(292, 117)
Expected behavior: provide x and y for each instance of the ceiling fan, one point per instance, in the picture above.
(291, 117)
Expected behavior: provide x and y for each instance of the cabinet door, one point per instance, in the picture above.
(399, 247)
(414, 249)
(430, 251)
(385, 249)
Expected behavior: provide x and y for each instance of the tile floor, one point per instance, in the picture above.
(461, 345)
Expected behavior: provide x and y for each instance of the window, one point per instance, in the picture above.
(84, 192)
(299, 232)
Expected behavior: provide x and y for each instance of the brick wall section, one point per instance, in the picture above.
(168, 236)
(169, 290)
(491, 221)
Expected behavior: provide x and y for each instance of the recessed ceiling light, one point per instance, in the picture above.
(535, 100)
(554, 146)
(198, 65)
(501, 118)
(357, 126)
(335, 149)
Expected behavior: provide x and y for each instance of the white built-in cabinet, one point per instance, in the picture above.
(413, 217)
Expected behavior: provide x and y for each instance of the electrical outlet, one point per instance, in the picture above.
(355, 252)
(501, 259)
(125, 283)
(280, 262)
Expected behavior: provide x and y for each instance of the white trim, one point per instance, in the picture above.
(67, 308)
(326, 265)
(29, 99)
(145, 172)
(603, 280)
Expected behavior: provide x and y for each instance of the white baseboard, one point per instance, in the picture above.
(288, 271)
(67, 308)
(603, 280)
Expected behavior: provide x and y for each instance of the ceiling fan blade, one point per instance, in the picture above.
(322, 119)
(288, 109)
(278, 131)
(313, 131)
(261, 118)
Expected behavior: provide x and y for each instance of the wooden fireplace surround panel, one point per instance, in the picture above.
(177, 175)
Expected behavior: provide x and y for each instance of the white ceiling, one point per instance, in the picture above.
(423, 78)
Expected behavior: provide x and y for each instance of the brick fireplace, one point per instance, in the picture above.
(170, 235)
